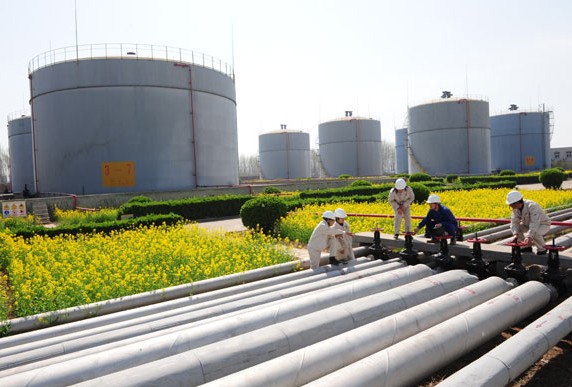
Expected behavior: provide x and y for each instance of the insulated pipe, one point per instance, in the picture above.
(222, 358)
(129, 314)
(202, 333)
(26, 360)
(141, 324)
(314, 361)
(507, 361)
(73, 342)
(412, 359)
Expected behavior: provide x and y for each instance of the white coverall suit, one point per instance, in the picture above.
(530, 221)
(319, 240)
(341, 248)
(403, 199)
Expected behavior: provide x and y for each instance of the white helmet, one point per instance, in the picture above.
(340, 213)
(329, 215)
(433, 199)
(513, 197)
(400, 183)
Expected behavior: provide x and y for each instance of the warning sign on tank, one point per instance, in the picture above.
(118, 174)
(529, 161)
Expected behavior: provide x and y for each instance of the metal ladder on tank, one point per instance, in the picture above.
(412, 157)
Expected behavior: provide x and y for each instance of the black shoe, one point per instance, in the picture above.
(396, 236)
(334, 261)
(427, 236)
(541, 252)
(453, 242)
(526, 249)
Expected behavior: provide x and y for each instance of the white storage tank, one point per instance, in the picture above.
(284, 154)
(401, 158)
(21, 153)
(450, 136)
(520, 141)
(132, 118)
(350, 145)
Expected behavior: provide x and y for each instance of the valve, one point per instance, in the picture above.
(442, 258)
(477, 265)
(552, 273)
(408, 254)
(515, 269)
(377, 249)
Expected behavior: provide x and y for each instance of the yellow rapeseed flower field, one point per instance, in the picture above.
(480, 203)
(54, 273)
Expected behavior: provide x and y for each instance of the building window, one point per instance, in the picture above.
(556, 155)
(568, 154)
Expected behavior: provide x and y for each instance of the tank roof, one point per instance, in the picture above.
(127, 51)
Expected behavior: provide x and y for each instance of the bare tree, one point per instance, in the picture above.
(248, 166)
(387, 157)
(4, 166)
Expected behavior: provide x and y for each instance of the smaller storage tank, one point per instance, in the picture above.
(21, 153)
(520, 141)
(401, 163)
(350, 145)
(450, 136)
(284, 154)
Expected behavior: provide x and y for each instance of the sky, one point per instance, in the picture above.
(304, 62)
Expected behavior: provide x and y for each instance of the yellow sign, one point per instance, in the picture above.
(118, 174)
(529, 161)
(14, 208)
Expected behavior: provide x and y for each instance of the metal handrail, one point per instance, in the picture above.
(129, 51)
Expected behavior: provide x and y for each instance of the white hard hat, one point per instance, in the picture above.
(513, 197)
(329, 215)
(433, 199)
(340, 213)
(400, 183)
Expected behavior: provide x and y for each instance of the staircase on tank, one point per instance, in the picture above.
(40, 211)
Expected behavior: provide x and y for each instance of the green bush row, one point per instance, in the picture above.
(102, 227)
(191, 208)
(346, 191)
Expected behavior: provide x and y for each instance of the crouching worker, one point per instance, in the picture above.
(319, 239)
(439, 220)
(341, 249)
(529, 223)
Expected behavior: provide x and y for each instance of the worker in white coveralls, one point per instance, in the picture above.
(529, 223)
(319, 239)
(341, 250)
(400, 199)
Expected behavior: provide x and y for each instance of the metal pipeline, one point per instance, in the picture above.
(412, 359)
(169, 342)
(224, 357)
(155, 324)
(507, 361)
(317, 360)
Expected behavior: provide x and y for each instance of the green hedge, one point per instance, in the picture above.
(190, 209)
(346, 191)
(103, 227)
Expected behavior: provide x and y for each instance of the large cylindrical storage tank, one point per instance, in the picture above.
(21, 154)
(284, 154)
(401, 158)
(153, 119)
(450, 136)
(520, 141)
(350, 145)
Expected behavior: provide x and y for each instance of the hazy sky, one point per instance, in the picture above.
(300, 63)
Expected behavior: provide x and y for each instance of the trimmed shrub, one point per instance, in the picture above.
(507, 172)
(344, 176)
(263, 212)
(271, 190)
(421, 192)
(419, 176)
(361, 183)
(551, 178)
(140, 199)
(451, 178)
